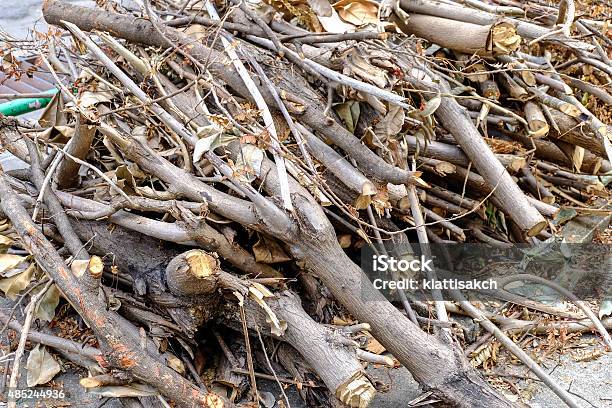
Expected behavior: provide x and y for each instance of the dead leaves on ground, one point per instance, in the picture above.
(41, 366)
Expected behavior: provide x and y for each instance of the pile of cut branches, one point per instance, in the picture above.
(199, 190)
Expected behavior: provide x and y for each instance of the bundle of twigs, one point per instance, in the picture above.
(234, 146)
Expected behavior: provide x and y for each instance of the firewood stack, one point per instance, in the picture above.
(201, 187)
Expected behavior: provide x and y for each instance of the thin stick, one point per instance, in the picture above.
(339, 78)
(12, 96)
(95, 169)
(424, 240)
(168, 119)
(582, 305)
(411, 314)
(29, 315)
(261, 104)
(247, 343)
(262, 24)
(480, 317)
(265, 353)
(270, 377)
(281, 106)
(46, 182)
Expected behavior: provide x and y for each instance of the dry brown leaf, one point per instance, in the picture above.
(175, 363)
(334, 24)
(248, 164)
(54, 115)
(358, 12)
(375, 347)
(5, 243)
(349, 112)
(392, 123)
(362, 202)
(578, 157)
(41, 366)
(45, 309)
(269, 251)
(320, 7)
(339, 321)
(356, 64)
(16, 283)
(9, 261)
(196, 31)
(57, 134)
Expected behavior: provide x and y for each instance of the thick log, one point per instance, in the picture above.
(468, 38)
(512, 200)
(192, 273)
(577, 133)
(471, 15)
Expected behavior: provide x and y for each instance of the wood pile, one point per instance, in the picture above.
(200, 189)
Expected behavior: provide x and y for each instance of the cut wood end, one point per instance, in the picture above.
(345, 240)
(90, 382)
(444, 168)
(538, 129)
(95, 267)
(528, 78)
(537, 228)
(513, 163)
(368, 189)
(357, 391)
(404, 204)
(596, 186)
(570, 110)
(201, 264)
(213, 401)
(504, 38)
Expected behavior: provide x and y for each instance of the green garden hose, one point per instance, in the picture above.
(20, 106)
